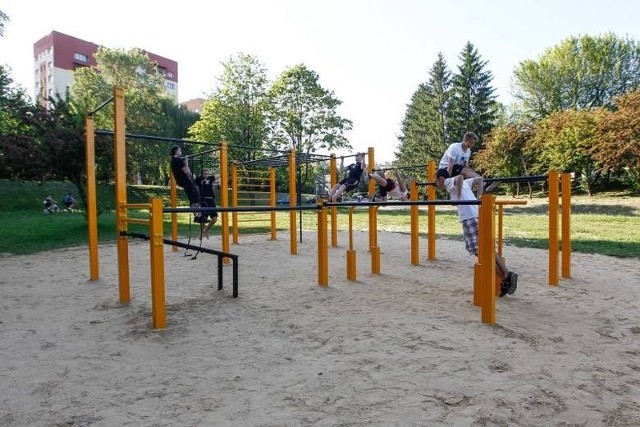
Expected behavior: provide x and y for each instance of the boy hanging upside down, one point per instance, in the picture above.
(459, 189)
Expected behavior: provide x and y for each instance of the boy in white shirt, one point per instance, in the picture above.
(459, 189)
(456, 160)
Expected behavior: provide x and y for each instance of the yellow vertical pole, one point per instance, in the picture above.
(500, 214)
(120, 160)
(293, 201)
(333, 180)
(373, 211)
(92, 211)
(158, 309)
(224, 198)
(553, 228)
(431, 212)
(323, 256)
(272, 200)
(415, 228)
(566, 225)
(351, 253)
(234, 201)
(487, 258)
(375, 250)
(173, 195)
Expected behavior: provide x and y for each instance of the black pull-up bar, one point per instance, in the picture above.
(220, 255)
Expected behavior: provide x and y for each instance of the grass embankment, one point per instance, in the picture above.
(608, 225)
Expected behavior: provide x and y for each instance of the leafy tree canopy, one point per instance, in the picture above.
(579, 73)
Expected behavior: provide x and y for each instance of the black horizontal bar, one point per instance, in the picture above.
(180, 244)
(243, 209)
(157, 138)
(407, 203)
(518, 178)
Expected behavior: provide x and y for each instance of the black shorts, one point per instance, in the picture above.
(390, 185)
(456, 169)
(349, 184)
(209, 202)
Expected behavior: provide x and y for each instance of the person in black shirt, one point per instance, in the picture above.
(184, 178)
(350, 182)
(206, 183)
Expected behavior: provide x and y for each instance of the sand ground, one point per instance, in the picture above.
(403, 348)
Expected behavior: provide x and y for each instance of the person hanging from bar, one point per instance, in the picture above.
(350, 182)
(206, 183)
(389, 187)
(459, 189)
(185, 179)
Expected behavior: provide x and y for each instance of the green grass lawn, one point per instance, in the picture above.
(608, 225)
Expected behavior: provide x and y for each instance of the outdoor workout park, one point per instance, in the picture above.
(259, 176)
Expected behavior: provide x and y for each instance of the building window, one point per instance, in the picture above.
(80, 57)
(169, 74)
(171, 85)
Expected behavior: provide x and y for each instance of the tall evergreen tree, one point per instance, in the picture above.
(424, 128)
(473, 103)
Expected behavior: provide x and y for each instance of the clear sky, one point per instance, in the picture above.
(372, 54)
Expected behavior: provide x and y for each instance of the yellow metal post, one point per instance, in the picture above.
(566, 225)
(92, 211)
(415, 228)
(431, 212)
(272, 200)
(234, 201)
(120, 160)
(373, 234)
(487, 258)
(158, 309)
(323, 255)
(173, 194)
(351, 253)
(553, 228)
(500, 213)
(293, 201)
(224, 199)
(373, 237)
(333, 180)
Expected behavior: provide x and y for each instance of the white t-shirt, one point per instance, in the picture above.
(455, 155)
(464, 211)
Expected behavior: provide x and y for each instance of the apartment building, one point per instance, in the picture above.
(57, 55)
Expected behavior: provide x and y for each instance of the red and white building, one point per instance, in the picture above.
(57, 55)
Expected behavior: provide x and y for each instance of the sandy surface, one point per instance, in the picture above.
(404, 348)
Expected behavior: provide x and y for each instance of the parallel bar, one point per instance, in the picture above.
(220, 255)
(157, 138)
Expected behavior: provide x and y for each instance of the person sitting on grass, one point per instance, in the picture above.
(388, 187)
(69, 202)
(459, 189)
(50, 205)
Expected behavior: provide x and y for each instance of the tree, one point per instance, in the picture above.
(618, 138)
(3, 18)
(145, 96)
(473, 105)
(424, 134)
(236, 111)
(563, 142)
(579, 73)
(303, 115)
(506, 153)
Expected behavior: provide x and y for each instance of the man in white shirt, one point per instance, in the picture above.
(459, 189)
(456, 159)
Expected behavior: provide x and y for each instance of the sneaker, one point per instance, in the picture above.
(512, 278)
(504, 287)
(492, 187)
